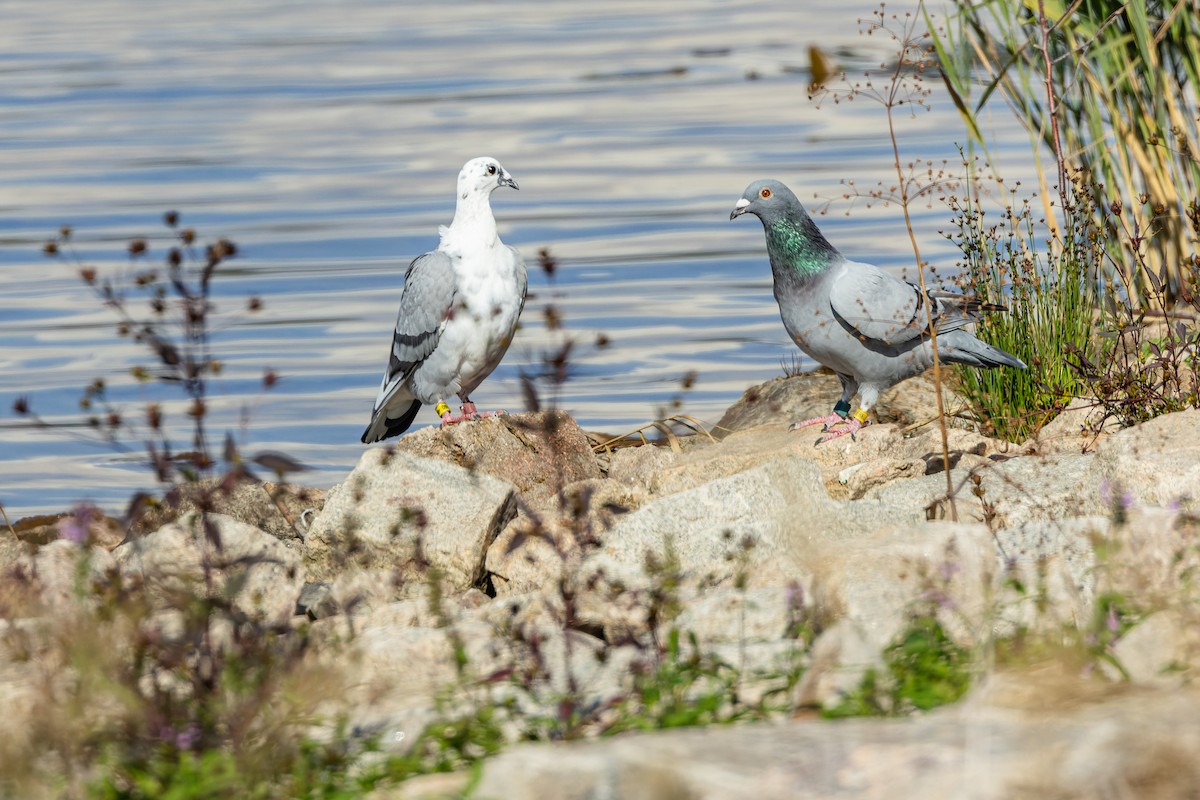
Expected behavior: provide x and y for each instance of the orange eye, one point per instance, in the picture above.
(765, 194)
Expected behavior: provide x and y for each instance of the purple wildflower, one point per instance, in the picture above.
(77, 527)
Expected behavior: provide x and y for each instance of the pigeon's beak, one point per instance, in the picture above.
(739, 209)
(508, 180)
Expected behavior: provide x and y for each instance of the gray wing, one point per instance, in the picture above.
(522, 275)
(425, 304)
(880, 307)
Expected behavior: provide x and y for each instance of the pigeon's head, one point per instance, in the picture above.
(482, 175)
(769, 200)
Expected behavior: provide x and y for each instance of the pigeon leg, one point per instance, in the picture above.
(443, 411)
(832, 418)
(471, 412)
(849, 426)
(835, 417)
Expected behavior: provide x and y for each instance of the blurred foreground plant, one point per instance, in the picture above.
(175, 328)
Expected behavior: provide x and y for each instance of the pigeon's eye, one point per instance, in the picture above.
(491, 170)
(765, 194)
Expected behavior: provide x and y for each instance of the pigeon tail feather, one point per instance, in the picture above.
(974, 352)
(384, 427)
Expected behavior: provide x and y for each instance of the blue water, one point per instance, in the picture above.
(325, 142)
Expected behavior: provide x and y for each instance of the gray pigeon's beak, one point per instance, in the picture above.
(508, 180)
(739, 209)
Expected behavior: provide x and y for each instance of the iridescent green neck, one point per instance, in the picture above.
(799, 247)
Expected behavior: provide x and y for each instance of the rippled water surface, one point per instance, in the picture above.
(324, 139)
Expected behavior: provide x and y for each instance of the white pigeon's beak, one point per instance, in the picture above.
(508, 180)
(740, 208)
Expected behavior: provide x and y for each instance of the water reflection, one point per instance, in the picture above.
(325, 142)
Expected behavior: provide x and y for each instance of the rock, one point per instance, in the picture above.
(539, 453)
(740, 616)
(398, 511)
(277, 508)
(1014, 491)
(1154, 651)
(850, 468)
(882, 579)
(637, 466)
(1155, 463)
(840, 656)
(812, 394)
(84, 522)
(263, 575)
(747, 528)
(1054, 562)
(1078, 428)
(316, 601)
(11, 548)
(1080, 750)
(535, 551)
(54, 579)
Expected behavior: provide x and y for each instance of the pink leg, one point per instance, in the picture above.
(469, 412)
(849, 426)
(472, 412)
(829, 419)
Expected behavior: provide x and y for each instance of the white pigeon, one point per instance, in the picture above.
(458, 312)
(869, 327)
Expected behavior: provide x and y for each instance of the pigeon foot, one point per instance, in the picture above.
(829, 420)
(469, 412)
(846, 427)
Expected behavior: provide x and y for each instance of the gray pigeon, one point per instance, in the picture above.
(458, 312)
(868, 327)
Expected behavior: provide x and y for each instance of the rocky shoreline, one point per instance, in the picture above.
(774, 556)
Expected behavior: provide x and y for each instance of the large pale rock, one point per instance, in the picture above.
(398, 511)
(638, 466)
(1155, 650)
(280, 509)
(536, 549)
(849, 467)
(741, 617)
(745, 529)
(812, 394)
(1014, 491)
(1155, 463)
(86, 522)
(1055, 562)
(262, 575)
(1078, 428)
(865, 590)
(772, 509)
(539, 453)
(882, 579)
(56, 579)
(1074, 750)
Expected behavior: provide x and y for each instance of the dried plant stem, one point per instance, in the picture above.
(912, 238)
(1052, 107)
(4, 514)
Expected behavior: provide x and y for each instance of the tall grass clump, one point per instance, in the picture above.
(1052, 298)
(1111, 89)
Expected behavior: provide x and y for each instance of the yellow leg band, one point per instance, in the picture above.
(861, 415)
(442, 408)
